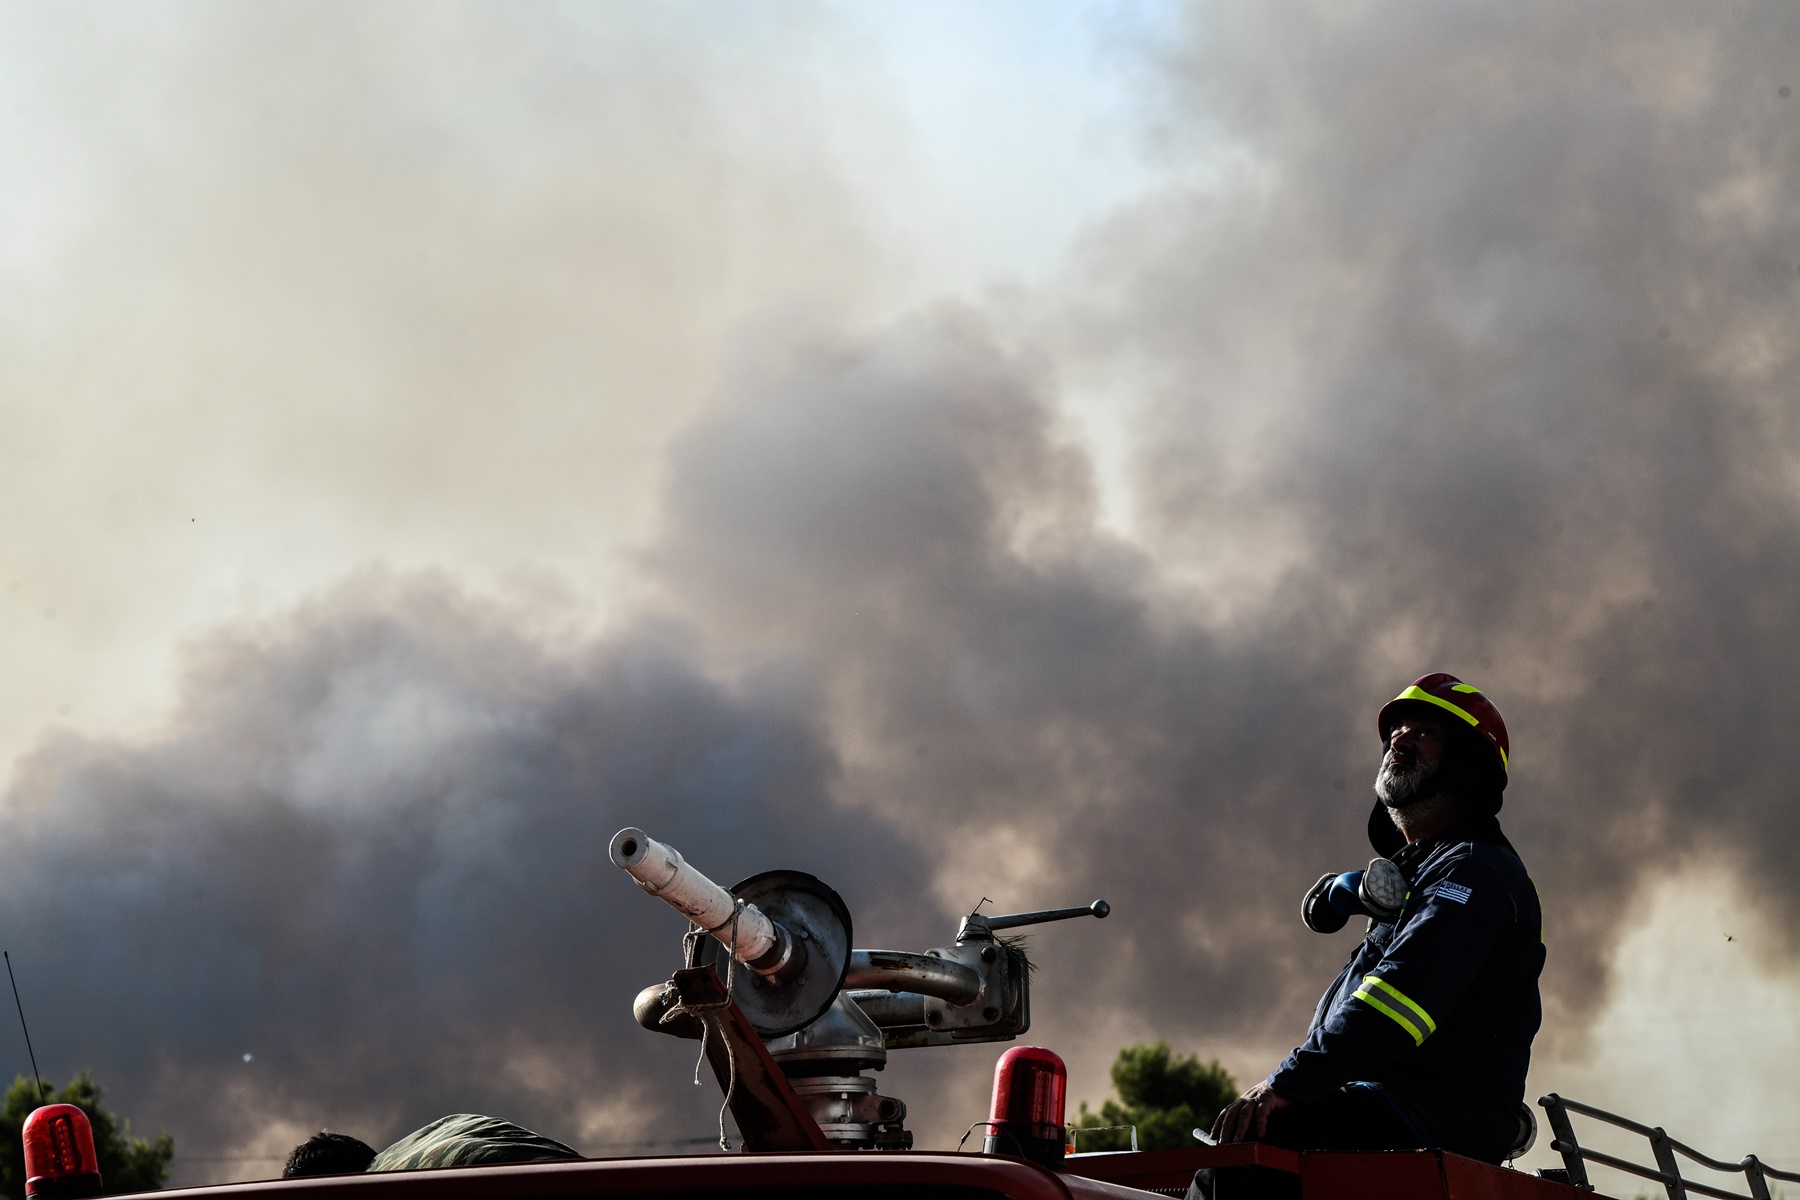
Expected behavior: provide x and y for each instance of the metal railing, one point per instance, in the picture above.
(1664, 1148)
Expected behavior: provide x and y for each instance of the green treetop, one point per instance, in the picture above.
(127, 1164)
(1167, 1096)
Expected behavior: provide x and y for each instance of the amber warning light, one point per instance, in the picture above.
(1030, 1085)
(59, 1154)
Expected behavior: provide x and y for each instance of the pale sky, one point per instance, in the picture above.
(190, 432)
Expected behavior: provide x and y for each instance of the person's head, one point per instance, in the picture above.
(1412, 759)
(328, 1153)
(1442, 741)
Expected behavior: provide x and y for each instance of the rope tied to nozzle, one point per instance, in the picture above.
(707, 1013)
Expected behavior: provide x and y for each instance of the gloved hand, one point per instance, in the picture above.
(1377, 892)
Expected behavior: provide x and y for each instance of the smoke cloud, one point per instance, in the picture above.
(361, 878)
(1460, 338)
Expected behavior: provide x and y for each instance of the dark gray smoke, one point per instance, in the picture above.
(369, 852)
(1470, 346)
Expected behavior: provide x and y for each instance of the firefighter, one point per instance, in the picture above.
(1423, 1040)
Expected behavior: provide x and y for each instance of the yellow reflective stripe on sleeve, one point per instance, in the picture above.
(1403, 998)
(1363, 994)
(1419, 1018)
(1414, 693)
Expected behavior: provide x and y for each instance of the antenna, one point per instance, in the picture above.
(7, 955)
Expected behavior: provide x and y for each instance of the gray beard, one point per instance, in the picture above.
(1401, 787)
(1404, 793)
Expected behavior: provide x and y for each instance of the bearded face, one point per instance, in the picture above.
(1412, 761)
(1399, 784)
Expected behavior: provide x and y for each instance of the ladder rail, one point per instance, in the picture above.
(1662, 1147)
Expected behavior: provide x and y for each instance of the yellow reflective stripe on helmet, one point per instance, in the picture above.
(1414, 693)
(1468, 688)
(1416, 1021)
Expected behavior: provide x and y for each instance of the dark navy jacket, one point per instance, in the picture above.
(1437, 1008)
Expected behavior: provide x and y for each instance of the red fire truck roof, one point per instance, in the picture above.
(851, 1175)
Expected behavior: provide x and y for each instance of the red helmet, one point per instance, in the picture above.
(1463, 701)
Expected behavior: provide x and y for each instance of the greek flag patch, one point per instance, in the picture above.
(1453, 891)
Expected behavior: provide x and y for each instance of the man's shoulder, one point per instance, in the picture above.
(1487, 852)
(1490, 871)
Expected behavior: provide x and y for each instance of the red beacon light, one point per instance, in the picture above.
(1031, 1085)
(60, 1162)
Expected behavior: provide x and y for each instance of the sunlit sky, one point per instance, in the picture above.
(149, 501)
(1027, 122)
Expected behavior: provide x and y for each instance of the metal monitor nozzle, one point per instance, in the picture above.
(791, 931)
(757, 942)
(826, 1013)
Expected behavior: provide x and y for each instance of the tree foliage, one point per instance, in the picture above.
(1167, 1096)
(127, 1164)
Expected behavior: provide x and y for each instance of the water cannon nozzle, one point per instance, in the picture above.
(628, 847)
